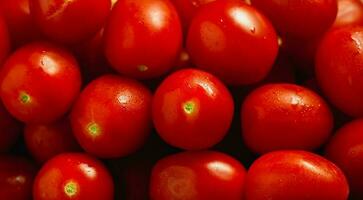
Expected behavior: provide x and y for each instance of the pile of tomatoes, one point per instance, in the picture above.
(181, 99)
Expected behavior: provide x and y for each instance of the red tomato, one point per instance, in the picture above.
(46, 141)
(16, 178)
(339, 66)
(205, 175)
(345, 149)
(70, 21)
(299, 19)
(73, 176)
(10, 130)
(233, 41)
(143, 38)
(350, 12)
(39, 83)
(192, 109)
(112, 116)
(21, 25)
(4, 41)
(295, 175)
(285, 116)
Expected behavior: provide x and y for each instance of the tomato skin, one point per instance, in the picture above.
(16, 178)
(46, 141)
(70, 22)
(338, 67)
(73, 176)
(192, 109)
(298, 175)
(39, 83)
(205, 175)
(350, 13)
(143, 38)
(233, 41)
(299, 19)
(285, 116)
(4, 41)
(345, 149)
(112, 117)
(10, 130)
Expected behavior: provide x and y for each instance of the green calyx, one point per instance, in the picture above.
(94, 129)
(71, 189)
(189, 107)
(24, 98)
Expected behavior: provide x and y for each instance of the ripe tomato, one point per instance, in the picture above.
(204, 175)
(299, 19)
(350, 13)
(70, 21)
(46, 141)
(22, 28)
(233, 41)
(285, 116)
(112, 116)
(345, 149)
(143, 38)
(297, 175)
(4, 41)
(73, 176)
(192, 109)
(16, 178)
(339, 65)
(39, 82)
(10, 130)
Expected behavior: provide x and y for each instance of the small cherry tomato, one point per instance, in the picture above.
(46, 141)
(192, 109)
(295, 175)
(4, 41)
(204, 175)
(73, 176)
(16, 178)
(339, 67)
(39, 83)
(233, 41)
(10, 130)
(70, 21)
(143, 38)
(299, 19)
(345, 149)
(350, 13)
(112, 116)
(285, 116)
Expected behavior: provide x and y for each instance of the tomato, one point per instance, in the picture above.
(22, 28)
(16, 178)
(46, 141)
(192, 109)
(143, 38)
(339, 65)
(345, 149)
(4, 41)
(285, 116)
(350, 13)
(112, 116)
(233, 41)
(298, 175)
(10, 130)
(73, 176)
(204, 175)
(299, 19)
(70, 21)
(39, 83)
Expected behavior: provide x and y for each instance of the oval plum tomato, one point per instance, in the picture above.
(16, 178)
(4, 41)
(204, 175)
(112, 116)
(350, 13)
(143, 38)
(70, 21)
(345, 149)
(233, 41)
(10, 129)
(39, 83)
(46, 141)
(299, 19)
(22, 28)
(73, 176)
(285, 116)
(192, 109)
(298, 175)
(339, 67)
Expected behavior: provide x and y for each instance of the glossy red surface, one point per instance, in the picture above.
(350, 13)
